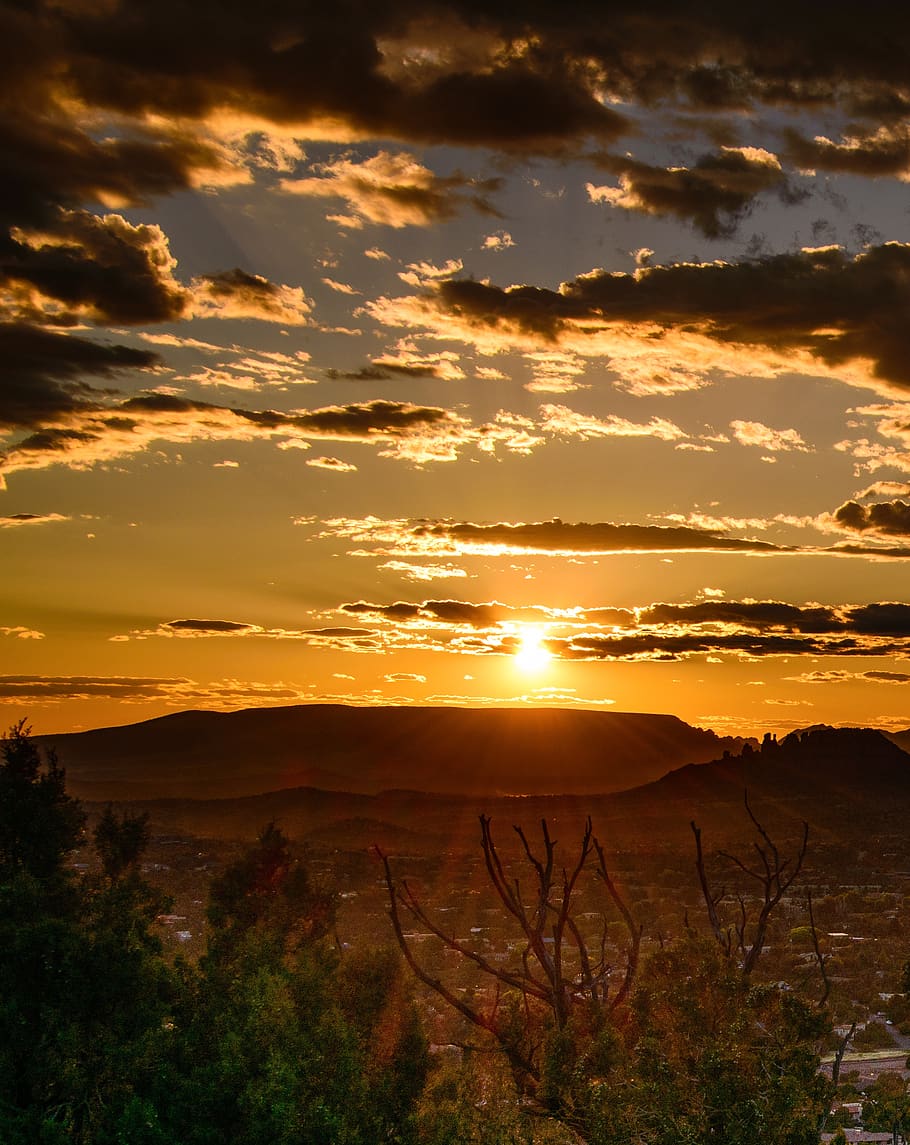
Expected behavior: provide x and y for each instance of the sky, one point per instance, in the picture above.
(455, 353)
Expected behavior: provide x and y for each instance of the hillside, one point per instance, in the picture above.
(480, 752)
(840, 780)
(849, 784)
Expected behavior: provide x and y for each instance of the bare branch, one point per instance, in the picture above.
(710, 900)
(820, 958)
(519, 1061)
(774, 875)
(634, 930)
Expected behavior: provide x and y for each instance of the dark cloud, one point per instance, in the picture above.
(294, 63)
(889, 518)
(102, 268)
(660, 631)
(885, 619)
(560, 536)
(73, 687)
(16, 520)
(405, 369)
(207, 626)
(446, 611)
(366, 419)
(382, 370)
(671, 647)
(42, 374)
(760, 615)
(886, 152)
(238, 294)
(80, 430)
(364, 374)
(714, 194)
(876, 552)
(837, 307)
(479, 71)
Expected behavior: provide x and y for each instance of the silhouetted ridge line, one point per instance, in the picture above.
(482, 751)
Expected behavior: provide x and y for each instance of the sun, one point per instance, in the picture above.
(532, 654)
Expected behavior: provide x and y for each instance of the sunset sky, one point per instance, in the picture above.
(430, 353)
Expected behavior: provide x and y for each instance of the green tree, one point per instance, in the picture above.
(887, 1106)
(40, 825)
(120, 841)
(279, 1040)
(83, 986)
(718, 1057)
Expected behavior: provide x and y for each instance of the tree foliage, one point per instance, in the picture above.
(83, 987)
(273, 1039)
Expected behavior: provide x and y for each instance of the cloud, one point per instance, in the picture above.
(555, 372)
(333, 464)
(714, 194)
(393, 190)
(885, 151)
(883, 518)
(238, 294)
(498, 241)
(254, 370)
(81, 432)
(340, 287)
(424, 572)
(211, 627)
(43, 373)
(404, 678)
(79, 265)
(193, 629)
(16, 520)
(174, 691)
(817, 311)
(774, 440)
(708, 630)
(20, 632)
(543, 538)
(524, 80)
(419, 273)
(567, 423)
(839, 676)
(753, 615)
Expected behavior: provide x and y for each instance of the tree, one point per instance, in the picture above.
(683, 1049)
(120, 842)
(83, 986)
(40, 825)
(556, 1007)
(743, 937)
(887, 1106)
(719, 1057)
(278, 1038)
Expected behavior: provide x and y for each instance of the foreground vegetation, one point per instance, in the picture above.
(276, 1034)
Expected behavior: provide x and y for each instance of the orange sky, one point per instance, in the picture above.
(441, 355)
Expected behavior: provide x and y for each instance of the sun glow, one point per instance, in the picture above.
(532, 655)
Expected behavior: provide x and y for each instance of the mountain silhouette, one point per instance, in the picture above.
(475, 751)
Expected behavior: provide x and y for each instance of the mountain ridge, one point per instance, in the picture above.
(441, 750)
(847, 783)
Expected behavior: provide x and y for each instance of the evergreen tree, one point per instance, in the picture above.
(84, 989)
(279, 1040)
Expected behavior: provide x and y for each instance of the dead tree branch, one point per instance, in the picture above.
(774, 876)
(560, 970)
